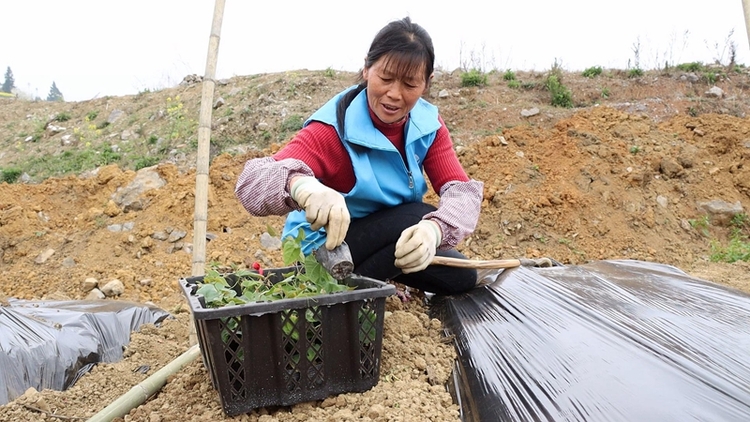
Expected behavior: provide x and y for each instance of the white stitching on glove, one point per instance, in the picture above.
(416, 246)
(324, 207)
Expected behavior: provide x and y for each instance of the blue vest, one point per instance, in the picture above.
(383, 179)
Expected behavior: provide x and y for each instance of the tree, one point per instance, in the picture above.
(9, 83)
(54, 93)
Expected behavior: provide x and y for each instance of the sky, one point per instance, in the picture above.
(94, 48)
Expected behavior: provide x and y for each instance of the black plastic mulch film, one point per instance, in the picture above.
(607, 341)
(51, 344)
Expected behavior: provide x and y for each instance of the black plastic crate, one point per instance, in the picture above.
(289, 351)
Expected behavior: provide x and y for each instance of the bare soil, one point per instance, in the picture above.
(620, 175)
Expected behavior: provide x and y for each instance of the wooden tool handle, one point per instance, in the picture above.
(471, 263)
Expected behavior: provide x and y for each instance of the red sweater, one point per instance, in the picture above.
(318, 145)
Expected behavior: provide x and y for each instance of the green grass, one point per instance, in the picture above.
(292, 123)
(635, 73)
(738, 247)
(71, 161)
(143, 162)
(592, 72)
(10, 175)
(62, 117)
(690, 67)
(474, 77)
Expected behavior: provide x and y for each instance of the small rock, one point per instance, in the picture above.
(269, 242)
(671, 168)
(420, 363)
(530, 112)
(662, 201)
(115, 228)
(444, 93)
(112, 210)
(90, 284)
(114, 116)
(715, 91)
(218, 103)
(690, 77)
(113, 288)
(145, 282)
(376, 411)
(55, 129)
(66, 140)
(721, 212)
(68, 262)
(44, 256)
(503, 142)
(176, 235)
(95, 294)
(160, 236)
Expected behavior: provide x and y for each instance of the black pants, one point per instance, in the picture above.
(372, 241)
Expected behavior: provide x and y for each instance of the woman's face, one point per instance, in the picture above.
(391, 96)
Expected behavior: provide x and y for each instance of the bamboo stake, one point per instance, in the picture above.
(145, 389)
(141, 392)
(204, 141)
(746, 11)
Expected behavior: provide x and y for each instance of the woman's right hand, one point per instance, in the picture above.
(324, 207)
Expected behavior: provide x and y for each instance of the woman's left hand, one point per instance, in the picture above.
(417, 245)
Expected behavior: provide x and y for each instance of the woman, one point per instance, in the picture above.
(354, 172)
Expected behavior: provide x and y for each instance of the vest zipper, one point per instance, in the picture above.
(411, 179)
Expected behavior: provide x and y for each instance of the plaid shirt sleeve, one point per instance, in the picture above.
(458, 211)
(263, 186)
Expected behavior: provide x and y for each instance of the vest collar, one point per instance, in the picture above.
(361, 130)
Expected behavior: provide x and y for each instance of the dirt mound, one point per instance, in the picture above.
(626, 176)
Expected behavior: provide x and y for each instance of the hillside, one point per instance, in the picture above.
(653, 167)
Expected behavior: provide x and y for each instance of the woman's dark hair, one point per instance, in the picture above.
(407, 45)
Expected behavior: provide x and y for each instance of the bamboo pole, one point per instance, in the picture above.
(746, 9)
(204, 141)
(145, 389)
(141, 392)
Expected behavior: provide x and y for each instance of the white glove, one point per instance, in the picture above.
(324, 207)
(416, 246)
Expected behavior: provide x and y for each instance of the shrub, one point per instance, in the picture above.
(509, 75)
(473, 78)
(144, 162)
(561, 95)
(10, 175)
(635, 73)
(592, 72)
(690, 67)
(62, 117)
